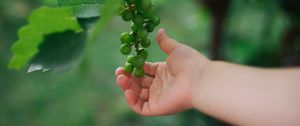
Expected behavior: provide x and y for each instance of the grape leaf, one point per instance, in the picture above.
(42, 22)
(86, 12)
(59, 51)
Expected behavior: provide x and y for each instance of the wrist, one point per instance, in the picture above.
(204, 75)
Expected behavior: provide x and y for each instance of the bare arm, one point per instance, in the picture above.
(249, 96)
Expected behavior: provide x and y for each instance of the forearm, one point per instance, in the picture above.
(249, 96)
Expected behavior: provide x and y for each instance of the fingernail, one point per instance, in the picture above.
(161, 34)
(117, 70)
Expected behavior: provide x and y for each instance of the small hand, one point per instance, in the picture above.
(166, 87)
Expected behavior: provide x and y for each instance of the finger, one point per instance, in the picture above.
(146, 110)
(137, 105)
(142, 108)
(120, 71)
(166, 43)
(129, 83)
(131, 97)
(135, 87)
(151, 68)
(124, 82)
(146, 82)
(144, 95)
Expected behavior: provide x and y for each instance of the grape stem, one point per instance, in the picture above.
(137, 47)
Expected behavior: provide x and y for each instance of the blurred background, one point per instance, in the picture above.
(262, 33)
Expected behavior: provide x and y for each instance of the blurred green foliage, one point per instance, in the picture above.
(87, 94)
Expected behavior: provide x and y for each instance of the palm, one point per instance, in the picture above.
(169, 90)
(164, 90)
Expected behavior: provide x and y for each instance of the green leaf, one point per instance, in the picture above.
(42, 22)
(59, 51)
(88, 11)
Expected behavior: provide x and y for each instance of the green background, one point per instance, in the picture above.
(87, 94)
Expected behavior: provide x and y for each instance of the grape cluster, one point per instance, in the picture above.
(144, 20)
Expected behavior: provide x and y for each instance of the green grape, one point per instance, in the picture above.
(147, 14)
(128, 68)
(146, 43)
(125, 49)
(126, 38)
(144, 5)
(130, 58)
(127, 15)
(155, 20)
(138, 72)
(149, 27)
(138, 61)
(142, 34)
(144, 53)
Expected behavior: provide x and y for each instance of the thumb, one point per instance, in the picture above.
(166, 43)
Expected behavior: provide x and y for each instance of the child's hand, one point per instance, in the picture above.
(167, 87)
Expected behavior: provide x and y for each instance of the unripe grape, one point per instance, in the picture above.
(144, 53)
(147, 14)
(126, 38)
(128, 68)
(138, 72)
(144, 5)
(138, 61)
(142, 34)
(130, 58)
(127, 15)
(145, 43)
(125, 49)
(149, 27)
(155, 20)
